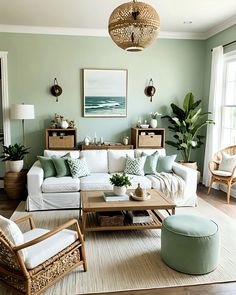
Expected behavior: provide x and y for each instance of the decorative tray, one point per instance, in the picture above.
(136, 198)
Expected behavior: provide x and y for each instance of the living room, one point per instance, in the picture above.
(58, 44)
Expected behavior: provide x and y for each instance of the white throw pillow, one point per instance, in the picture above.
(227, 163)
(13, 233)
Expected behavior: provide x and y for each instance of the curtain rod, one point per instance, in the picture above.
(227, 44)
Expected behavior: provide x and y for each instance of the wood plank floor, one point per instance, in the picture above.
(216, 199)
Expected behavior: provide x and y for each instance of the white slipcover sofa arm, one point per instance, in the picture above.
(190, 177)
(35, 178)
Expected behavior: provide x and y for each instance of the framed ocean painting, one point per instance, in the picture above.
(105, 93)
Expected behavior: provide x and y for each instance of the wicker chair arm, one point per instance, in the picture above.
(26, 218)
(51, 233)
(213, 165)
(234, 172)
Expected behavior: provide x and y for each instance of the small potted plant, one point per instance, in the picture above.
(14, 154)
(154, 116)
(120, 183)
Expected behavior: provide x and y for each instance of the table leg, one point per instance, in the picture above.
(84, 216)
(173, 211)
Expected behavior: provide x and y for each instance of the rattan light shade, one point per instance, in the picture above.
(133, 26)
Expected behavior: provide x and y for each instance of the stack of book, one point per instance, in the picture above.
(110, 196)
(140, 216)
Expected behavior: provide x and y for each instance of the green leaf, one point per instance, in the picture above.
(188, 101)
(178, 111)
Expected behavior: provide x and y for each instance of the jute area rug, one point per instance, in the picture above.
(131, 260)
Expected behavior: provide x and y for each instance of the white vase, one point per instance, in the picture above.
(119, 190)
(64, 124)
(153, 123)
(15, 166)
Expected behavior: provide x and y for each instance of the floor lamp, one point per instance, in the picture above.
(22, 112)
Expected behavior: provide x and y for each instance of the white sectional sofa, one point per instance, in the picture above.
(64, 192)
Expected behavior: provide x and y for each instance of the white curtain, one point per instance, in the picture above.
(215, 101)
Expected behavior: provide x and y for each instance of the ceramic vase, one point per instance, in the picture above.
(64, 124)
(153, 123)
(15, 166)
(119, 190)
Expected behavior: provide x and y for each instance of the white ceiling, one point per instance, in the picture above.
(207, 16)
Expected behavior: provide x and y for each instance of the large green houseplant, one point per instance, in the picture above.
(185, 123)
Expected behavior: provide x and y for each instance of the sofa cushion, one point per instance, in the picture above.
(61, 165)
(62, 184)
(78, 167)
(136, 179)
(96, 181)
(96, 160)
(150, 163)
(135, 166)
(165, 163)
(155, 183)
(44, 250)
(48, 166)
(50, 153)
(117, 159)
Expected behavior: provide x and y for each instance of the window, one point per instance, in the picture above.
(228, 127)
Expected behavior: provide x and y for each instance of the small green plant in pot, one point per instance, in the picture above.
(120, 183)
(185, 123)
(14, 154)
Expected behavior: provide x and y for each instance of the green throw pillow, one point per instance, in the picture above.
(78, 167)
(134, 166)
(150, 163)
(48, 166)
(165, 163)
(61, 165)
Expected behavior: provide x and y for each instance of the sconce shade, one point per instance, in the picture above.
(22, 111)
(133, 26)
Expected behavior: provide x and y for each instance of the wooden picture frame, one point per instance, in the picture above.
(105, 93)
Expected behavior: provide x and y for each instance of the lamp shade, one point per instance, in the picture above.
(22, 111)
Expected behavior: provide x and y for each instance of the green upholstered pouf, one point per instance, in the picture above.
(190, 244)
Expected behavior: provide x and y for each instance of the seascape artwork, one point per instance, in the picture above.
(105, 93)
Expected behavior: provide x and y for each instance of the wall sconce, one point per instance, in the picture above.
(150, 90)
(56, 90)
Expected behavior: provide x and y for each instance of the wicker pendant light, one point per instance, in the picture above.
(133, 26)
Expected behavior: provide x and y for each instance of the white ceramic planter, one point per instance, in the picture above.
(15, 166)
(153, 123)
(119, 190)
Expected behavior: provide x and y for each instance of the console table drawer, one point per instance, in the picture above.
(149, 140)
(61, 141)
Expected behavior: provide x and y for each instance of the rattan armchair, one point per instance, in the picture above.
(13, 270)
(227, 179)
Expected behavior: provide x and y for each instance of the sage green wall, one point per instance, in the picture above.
(176, 66)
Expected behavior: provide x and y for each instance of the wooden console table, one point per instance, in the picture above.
(106, 147)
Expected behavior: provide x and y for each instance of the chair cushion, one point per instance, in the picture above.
(61, 165)
(13, 233)
(96, 160)
(78, 167)
(44, 250)
(96, 181)
(150, 163)
(165, 163)
(221, 173)
(134, 166)
(48, 166)
(62, 184)
(227, 163)
(117, 159)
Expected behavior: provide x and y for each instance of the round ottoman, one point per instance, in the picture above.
(190, 244)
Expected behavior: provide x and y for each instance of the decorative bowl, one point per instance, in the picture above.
(136, 198)
(144, 125)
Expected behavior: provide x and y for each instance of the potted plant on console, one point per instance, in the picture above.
(14, 154)
(120, 183)
(185, 124)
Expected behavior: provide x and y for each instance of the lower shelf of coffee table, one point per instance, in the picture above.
(92, 223)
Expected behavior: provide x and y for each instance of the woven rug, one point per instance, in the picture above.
(131, 260)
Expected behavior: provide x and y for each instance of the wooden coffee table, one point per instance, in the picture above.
(92, 202)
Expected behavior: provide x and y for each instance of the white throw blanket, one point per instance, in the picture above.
(171, 185)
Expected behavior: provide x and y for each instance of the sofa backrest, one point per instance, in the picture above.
(138, 152)
(96, 160)
(117, 159)
(50, 153)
